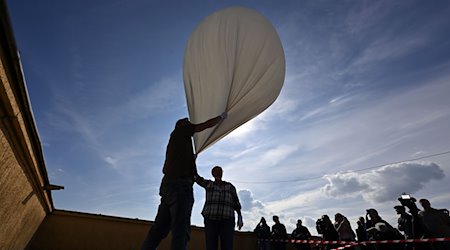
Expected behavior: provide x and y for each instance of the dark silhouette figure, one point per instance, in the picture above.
(177, 198)
(325, 227)
(279, 234)
(301, 233)
(343, 227)
(404, 222)
(218, 211)
(262, 231)
(437, 223)
(379, 229)
(418, 228)
(361, 232)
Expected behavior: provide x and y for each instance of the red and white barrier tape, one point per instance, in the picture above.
(355, 243)
(343, 247)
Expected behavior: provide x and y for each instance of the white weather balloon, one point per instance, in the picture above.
(234, 62)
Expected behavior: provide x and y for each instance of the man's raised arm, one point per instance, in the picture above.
(209, 123)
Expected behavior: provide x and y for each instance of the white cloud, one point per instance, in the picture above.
(111, 161)
(244, 130)
(384, 184)
(247, 200)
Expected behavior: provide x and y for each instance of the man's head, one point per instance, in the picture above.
(217, 172)
(338, 217)
(362, 220)
(373, 214)
(425, 204)
(399, 209)
(276, 219)
(299, 222)
(182, 122)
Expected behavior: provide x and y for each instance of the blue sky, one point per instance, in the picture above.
(367, 84)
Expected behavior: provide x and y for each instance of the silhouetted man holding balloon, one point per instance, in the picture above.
(177, 198)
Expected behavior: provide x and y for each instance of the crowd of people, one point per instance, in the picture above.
(412, 224)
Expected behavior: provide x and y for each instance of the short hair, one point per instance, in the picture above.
(214, 168)
(372, 210)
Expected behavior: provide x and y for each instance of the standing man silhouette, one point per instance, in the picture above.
(221, 203)
(177, 198)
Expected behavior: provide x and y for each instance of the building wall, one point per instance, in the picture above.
(73, 230)
(20, 211)
(23, 201)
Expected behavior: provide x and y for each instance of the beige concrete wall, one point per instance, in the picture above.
(70, 230)
(20, 211)
(23, 203)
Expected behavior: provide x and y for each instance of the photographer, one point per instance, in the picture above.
(361, 229)
(262, 231)
(325, 227)
(418, 228)
(379, 229)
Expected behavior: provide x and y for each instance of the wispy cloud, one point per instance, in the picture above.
(389, 49)
(158, 97)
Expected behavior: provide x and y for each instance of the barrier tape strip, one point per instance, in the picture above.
(343, 247)
(354, 243)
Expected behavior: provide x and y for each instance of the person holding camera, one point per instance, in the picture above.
(361, 231)
(262, 231)
(379, 229)
(325, 227)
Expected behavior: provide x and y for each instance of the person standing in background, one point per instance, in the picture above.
(279, 234)
(301, 233)
(218, 211)
(262, 231)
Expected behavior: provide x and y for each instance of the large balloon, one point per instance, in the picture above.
(233, 63)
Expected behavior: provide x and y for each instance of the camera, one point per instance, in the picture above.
(320, 226)
(410, 202)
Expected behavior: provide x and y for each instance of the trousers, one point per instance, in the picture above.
(219, 229)
(174, 214)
